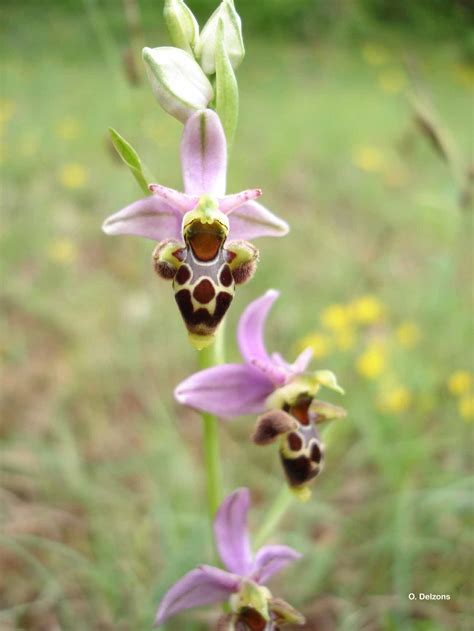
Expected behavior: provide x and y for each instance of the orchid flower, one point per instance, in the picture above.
(202, 232)
(242, 582)
(285, 394)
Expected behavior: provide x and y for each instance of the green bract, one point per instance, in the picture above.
(177, 81)
(227, 91)
(130, 157)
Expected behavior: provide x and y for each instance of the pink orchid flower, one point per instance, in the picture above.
(242, 582)
(202, 233)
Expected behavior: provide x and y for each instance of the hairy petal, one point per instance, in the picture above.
(302, 361)
(231, 535)
(203, 586)
(271, 559)
(151, 217)
(204, 155)
(227, 391)
(180, 201)
(277, 374)
(251, 325)
(252, 220)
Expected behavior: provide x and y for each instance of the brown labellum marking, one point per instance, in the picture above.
(230, 256)
(201, 322)
(204, 292)
(180, 254)
(225, 276)
(223, 301)
(300, 409)
(244, 272)
(164, 269)
(183, 275)
(270, 425)
(183, 298)
(298, 470)
(252, 620)
(205, 242)
(316, 453)
(295, 442)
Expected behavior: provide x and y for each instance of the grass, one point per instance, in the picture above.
(102, 490)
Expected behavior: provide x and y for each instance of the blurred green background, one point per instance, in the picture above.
(356, 120)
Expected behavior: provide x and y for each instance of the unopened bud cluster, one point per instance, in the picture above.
(179, 74)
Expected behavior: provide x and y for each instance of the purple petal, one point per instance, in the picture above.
(230, 532)
(251, 325)
(203, 586)
(204, 155)
(272, 559)
(301, 362)
(252, 220)
(180, 201)
(151, 217)
(227, 391)
(278, 375)
(229, 203)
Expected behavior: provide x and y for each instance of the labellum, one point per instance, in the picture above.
(204, 285)
(205, 269)
(301, 448)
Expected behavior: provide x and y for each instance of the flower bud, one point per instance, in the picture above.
(234, 43)
(182, 25)
(177, 81)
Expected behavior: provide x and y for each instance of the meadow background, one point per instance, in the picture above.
(102, 502)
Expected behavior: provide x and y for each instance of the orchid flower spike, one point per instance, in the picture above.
(202, 233)
(242, 583)
(285, 394)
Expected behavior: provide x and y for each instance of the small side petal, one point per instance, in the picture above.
(151, 218)
(227, 391)
(271, 559)
(205, 585)
(204, 155)
(302, 361)
(180, 201)
(231, 535)
(252, 220)
(251, 327)
(229, 203)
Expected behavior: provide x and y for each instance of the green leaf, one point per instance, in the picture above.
(227, 91)
(130, 157)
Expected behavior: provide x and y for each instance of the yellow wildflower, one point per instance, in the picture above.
(408, 334)
(367, 309)
(371, 364)
(7, 110)
(374, 54)
(320, 344)
(368, 158)
(459, 382)
(345, 339)
(62, 250)
(68, 128)
(466, 407)
(336, 317)
(392, 81)
(394, 400)
(73, 175)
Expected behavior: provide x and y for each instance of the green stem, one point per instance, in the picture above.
(211, 356)
(281, 504)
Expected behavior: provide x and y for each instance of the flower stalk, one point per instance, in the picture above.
(274, 515)
(209, 356)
